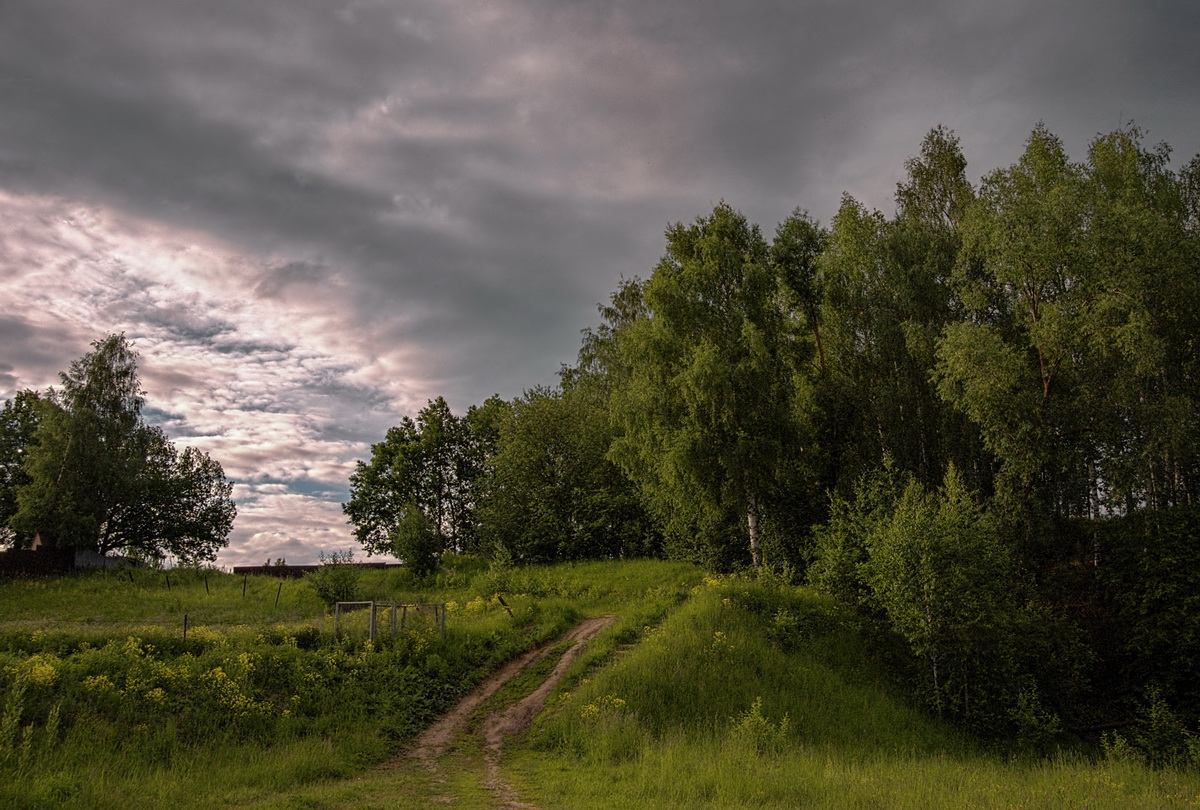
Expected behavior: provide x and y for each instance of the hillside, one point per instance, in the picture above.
(705, 692)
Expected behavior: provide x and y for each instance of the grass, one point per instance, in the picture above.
(104, 702)
(720, 693)
(753, 697)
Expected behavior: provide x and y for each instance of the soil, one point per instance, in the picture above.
(442, 736)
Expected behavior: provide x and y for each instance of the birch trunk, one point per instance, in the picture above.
(752, 526)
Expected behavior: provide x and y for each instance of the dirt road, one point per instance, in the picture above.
(442, 736)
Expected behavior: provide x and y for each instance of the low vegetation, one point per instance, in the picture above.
(707, 692)
(754, 696)
(215, 689)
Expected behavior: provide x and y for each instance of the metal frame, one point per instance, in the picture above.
(439, 615)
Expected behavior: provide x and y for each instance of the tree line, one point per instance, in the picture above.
(957, 418)
(80, 469)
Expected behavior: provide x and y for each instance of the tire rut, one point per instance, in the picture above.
(440, 738)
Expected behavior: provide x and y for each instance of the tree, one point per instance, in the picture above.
(416, 541)
(19, 421)
(100, 479)
(706, 413)
(1075, 356)
(886, 293)
(552, 494)
(336, 580)
(433, 464)
(941, 573)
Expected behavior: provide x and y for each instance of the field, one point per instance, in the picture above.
(704, 692)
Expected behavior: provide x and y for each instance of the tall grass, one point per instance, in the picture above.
(716, 693)
(753, 697)
(104, 702)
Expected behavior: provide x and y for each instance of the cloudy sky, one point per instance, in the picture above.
(312, 216)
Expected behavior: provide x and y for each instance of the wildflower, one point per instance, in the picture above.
(42, 671)
(607, 705)
(98, 683)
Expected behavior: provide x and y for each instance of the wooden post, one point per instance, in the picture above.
(403, 616)
(206, 591)
(168, 583)
(185, 627)
(393, 621)
(243, 586)
(337, 620)
(371, 632)
(277, 592)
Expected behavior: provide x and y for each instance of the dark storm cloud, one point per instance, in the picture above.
(315, 215)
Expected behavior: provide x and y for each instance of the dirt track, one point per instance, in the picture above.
(441, 737)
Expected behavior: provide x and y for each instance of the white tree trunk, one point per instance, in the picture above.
(752, 525)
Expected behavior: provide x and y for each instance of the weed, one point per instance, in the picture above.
(753, 731)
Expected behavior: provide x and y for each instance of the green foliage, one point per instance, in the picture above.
(416, 542)
(98, 478)
(1147, 584)
(935, 569)
(1073, 359)
(1158, 737)
(886, 298)
(551, 493)
(433, 463)
(754, 732)
(944, 578)
(336, 580)
(843, 543)
(706, 412)
(19, 421)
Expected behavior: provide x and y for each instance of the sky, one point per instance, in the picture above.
(310, 217)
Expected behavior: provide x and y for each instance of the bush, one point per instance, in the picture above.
(416, 541)
(336, 580)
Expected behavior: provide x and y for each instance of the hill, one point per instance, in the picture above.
(705, 692)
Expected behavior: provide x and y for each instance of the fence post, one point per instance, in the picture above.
(372, 624)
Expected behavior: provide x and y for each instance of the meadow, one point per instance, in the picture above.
(706, 692)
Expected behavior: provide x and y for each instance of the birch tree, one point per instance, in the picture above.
(707, 412)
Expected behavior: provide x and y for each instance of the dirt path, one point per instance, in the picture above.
(441, 737)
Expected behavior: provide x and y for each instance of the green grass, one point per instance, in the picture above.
(105, 703)
(705, 693)
(694, 716)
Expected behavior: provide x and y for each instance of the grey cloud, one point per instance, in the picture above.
(443, 190)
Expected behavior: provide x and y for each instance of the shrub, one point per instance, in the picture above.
(336, 580)
(753, 731)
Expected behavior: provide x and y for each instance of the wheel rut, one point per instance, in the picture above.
(443, 736)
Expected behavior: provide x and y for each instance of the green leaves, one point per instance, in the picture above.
(707, 410)
(98, 478)
(433, 465)
(1077, 280)
(935, 568)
